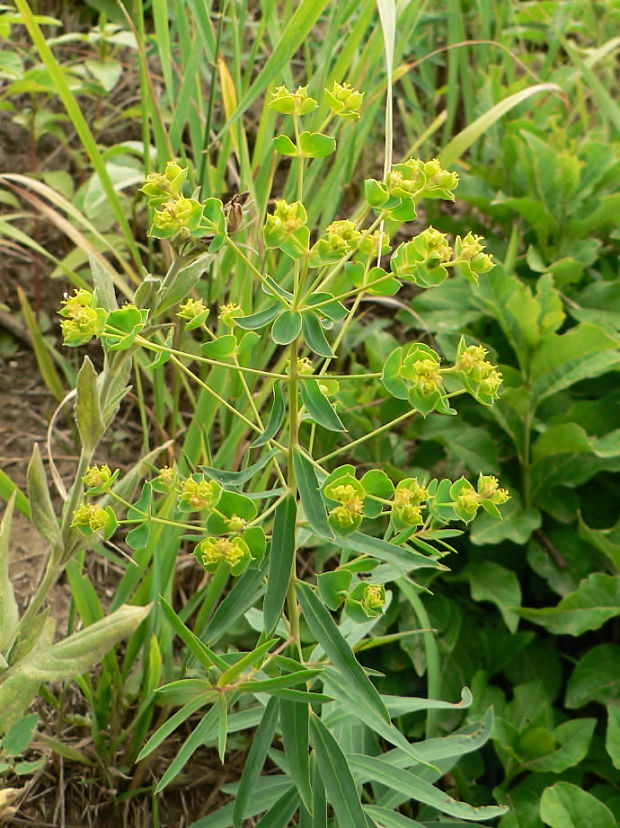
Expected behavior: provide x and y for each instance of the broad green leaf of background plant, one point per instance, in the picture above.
(564, 805)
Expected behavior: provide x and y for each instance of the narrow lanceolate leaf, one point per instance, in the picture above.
(369, 768)
(205, 730)
(314, 335)
(87, 408)
(311, 500)
(319, 407)
(171, 725)
(461, 142)
(41, 510)
(255, 760)
(399, 556)
(341, 655)
(8, 605)
(294, 726)
(279, 815)
(242, 596)
(197, 648)
(336, 775)
(276, 416)
(280, 561)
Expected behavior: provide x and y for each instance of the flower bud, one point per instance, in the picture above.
(422, 259)
(373, 599)
(99, 478)
(229, 312)
(165, 480)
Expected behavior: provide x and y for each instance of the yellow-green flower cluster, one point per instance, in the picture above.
(348, 493)
(89, 519)
(467, 499)
(194, 311)
(409, 497)
(162, 187)
(232, 551)
(83, 319)
(407, 183)
(341, 239)
(229, 312)
(296, 102)
(344, 100)
(197, 493)
(99, 479)
(470, 258)
(480, 377)
(365, 601)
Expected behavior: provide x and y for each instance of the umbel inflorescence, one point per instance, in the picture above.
(306, 316)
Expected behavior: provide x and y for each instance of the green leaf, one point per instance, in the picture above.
(461, 142)
(255, 760)
(9, 614)
(370, 768)
(516, 525)
(258, 320)
(279, 815)
(286, 328)
(284, 145)
(294, 726)
(596, 677)
(564, 805)
(276, 416)
(41, 509)
(244, 594)
(87, 407)
(281, 556)
(223, 346)
(338, 650)
(319, 407)
(204, 731)
(564, 359)
(197, 648)
(228, 478)
(489, 581)
(336, 776)
(612, 738)
(316, 145)
(314, 336)
(572, 739)
(595, 601)
(171, 725)
(19, 736)
(63, 660)
(309, 494)
(391, 819)
(103, 283)
(403, 558)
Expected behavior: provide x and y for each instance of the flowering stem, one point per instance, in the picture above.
(369, 436)
(293, 415)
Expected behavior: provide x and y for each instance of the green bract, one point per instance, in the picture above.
(122, 326)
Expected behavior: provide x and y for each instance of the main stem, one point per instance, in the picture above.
(293, 413)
